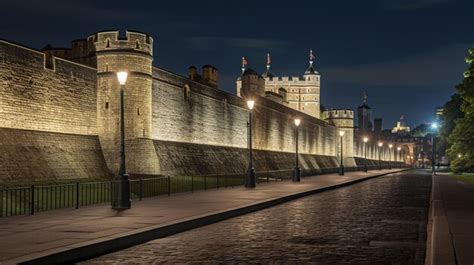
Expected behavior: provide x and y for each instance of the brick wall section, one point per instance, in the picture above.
(196, 159)
(37, 157)
(34, 98)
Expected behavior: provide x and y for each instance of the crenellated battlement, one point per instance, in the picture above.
(338, 114)
(133, 41)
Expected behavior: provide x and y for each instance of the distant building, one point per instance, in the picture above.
(401, 127)
(364, 116)
(439, 112)
(378, 125)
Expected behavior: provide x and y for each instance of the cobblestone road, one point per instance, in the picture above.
(379, 221)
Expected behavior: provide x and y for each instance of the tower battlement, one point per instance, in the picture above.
(338, 114)
(133, 41)
(301, 93)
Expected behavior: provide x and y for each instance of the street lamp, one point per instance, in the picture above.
(380, 153)
(459, 155)
(365, 153)
(121, 199)
(250, 181)
(434, 127)
(341, 171)
(296, 172)
(398, 156)
(390, 146)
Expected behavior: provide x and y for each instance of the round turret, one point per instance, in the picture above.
(133, 54)
(252, 84)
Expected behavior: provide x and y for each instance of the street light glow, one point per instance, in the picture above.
(459, 155)
(380, 144)
(434, 125)
(122, 77)
(390, 145)
(250, 104)
(366, 139)
(297, 122)
(341, 133)
(399, 148)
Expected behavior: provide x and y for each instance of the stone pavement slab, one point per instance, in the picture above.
(90, 231)
(453, 221)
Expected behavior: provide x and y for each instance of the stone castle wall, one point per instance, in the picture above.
(49, 113)
(33, 97)
(185, 111)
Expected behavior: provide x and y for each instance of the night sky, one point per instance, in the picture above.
(407, 54)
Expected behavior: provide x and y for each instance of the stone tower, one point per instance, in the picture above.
(132, 53)
(343, 119)
(252, 84)
(364, 117)
(301, 93)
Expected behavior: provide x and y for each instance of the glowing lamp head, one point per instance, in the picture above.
(380, 144)
(434, 126)
(122, 77)
(366, 139)
(250, 104)
(459, 155)
(390, 146)
(297, 122)
(341, 133)
(399, 148)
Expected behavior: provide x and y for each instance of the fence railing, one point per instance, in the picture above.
(39, 198)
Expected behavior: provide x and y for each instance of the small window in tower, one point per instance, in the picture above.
(106, 67)
(106, 105)
(138, 111)
(107, 44)
(137, 45)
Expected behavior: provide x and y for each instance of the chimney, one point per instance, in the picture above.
(210, 76)
(192, 73)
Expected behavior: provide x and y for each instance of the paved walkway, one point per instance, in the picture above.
(379, 221)
(75, 233)
(453, 221)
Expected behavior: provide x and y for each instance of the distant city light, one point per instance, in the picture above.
(366, 139)
(380, 144)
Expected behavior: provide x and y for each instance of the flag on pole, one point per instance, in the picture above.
(269, 59)
(311, 55)
(244, 62)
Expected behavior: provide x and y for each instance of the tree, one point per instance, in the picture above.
(420, 130)
(451, 113)
(461, 140)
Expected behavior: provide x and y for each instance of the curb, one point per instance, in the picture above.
(92, 250)
(441, 249)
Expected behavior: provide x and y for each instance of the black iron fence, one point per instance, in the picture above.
(39, 198)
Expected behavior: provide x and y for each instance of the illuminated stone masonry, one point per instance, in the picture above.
(173, 124)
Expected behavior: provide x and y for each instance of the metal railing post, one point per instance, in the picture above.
(205, 183)
(192, 183)
(141, 189)
(32, 210)
(169, 185)
(77, 195)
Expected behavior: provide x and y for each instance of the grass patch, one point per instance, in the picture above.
(466, 178)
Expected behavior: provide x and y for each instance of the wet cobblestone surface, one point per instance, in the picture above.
(379, 221)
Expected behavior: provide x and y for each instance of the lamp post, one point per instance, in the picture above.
(380, 154)
(341, 170)
(296, 171)
(434, 127)
(365, 153)
(251, 180)
(121, 199)
(398, 156)
(390, 146)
